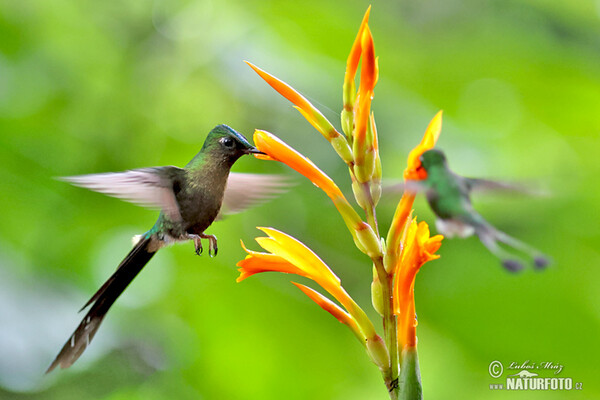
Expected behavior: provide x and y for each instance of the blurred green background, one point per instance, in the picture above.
(91, 86)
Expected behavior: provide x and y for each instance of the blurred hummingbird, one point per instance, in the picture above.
(190, 200)
(448, 196)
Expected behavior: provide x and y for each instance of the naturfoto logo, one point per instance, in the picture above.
(527, 379)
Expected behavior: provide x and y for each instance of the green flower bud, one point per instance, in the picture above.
(389, 262)
(359, 194)
(340, 145)
(347, 118)
(377, 293)
(375, 192)
(378, 352)
(359, 245)
(369, 240)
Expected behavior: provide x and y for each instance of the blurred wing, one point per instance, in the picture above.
(475, 184)
(400, 187)
(148, 187)
(246, 190)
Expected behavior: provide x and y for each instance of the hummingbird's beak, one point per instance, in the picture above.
(253, 150)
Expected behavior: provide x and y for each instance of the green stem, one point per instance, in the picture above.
(370, 208)
(389, 319)
(390, 375)
(389, 326)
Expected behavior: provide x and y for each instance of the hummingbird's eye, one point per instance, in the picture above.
(228, 142)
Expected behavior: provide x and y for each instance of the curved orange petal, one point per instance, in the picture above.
(399, 221)
(329, 306)
(289, 255)
(368, 78)
(419, 248)
(308, 111)
(254, 264)
(369, 69)
(356, 50)
(335, 310)
(349, 87)
(283, 88)
(278, 150)
(414, 171)
(407, 323)
(296, 253)
(427, 245)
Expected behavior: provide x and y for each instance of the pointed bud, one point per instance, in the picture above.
(377, 171)
(377, 293)
(347, 119)
(369, 240)
(340, 145)
(375, 190)
(378, 352)
(349, 87)
(359, 194)
(390, 259)
(397, 228)
(363, 143)
(358, 244)
(363, 168)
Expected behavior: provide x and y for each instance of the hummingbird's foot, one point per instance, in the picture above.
(198, 245)
(212, 244)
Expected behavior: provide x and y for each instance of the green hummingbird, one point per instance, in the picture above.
(448, 195)
(189, 198)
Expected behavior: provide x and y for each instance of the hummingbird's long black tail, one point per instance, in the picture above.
(102, 300)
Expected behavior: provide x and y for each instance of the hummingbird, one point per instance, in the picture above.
(189, 199)
(448, 195)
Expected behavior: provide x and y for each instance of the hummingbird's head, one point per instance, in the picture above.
(227, 143)
(432, 158)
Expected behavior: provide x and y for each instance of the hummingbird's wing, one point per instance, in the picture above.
(245, 190)
(476, 184)
(148, 187)
(393, 187)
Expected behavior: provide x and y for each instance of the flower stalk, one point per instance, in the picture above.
(395, 259)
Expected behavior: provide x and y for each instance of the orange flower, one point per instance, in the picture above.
(355, 53)
(310, 112)
(399, 222)
(363, 145)
(278, 150)
(349, 88)
(264, 262)
(333, 309)
(288, 255)
(370, 70)
(414, 171)
(418, 249)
